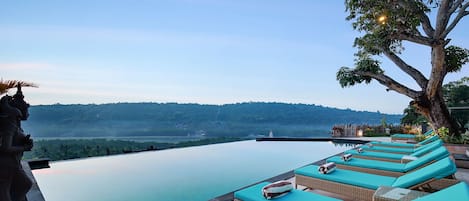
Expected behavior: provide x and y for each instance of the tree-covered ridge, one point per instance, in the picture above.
(166, 119)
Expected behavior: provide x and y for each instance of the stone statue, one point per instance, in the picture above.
(14, 183)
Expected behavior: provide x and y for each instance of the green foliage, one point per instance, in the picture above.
(383, 19)
(443, 132)
(456, 94)
(373, 134)
(420, 137)
(382, 22)
(461, 139)
(455, 58)
(349, 77)
(377, 131)
(383, 122)
(412, 117)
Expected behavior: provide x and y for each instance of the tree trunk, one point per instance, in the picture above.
(436, 112)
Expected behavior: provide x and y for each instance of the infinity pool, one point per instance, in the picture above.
(185, 174)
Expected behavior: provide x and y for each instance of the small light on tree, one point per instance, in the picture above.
(382, 19)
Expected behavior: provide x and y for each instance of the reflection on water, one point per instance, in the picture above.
(194, 173)
(345, 145)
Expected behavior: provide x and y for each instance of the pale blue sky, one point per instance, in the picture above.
(193, 51)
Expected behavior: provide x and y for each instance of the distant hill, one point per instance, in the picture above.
(172, 119)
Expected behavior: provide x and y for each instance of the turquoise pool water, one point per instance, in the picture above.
(185, 174)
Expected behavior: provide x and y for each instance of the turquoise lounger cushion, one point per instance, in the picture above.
(388, 149)
(429, 139)
(376, 154)
(437, 170)
(437, 154)
(372, 164)
(407, 145)
(427, 148)
(410, 136)
(457, 192)
(394, 144)
(394, 156)
(254, 193)
(370, 181)
(401, 150)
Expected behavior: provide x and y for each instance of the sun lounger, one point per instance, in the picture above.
(400, 136)
(407, 151)
(254, 193)
(394, 157)
(405, 145)
(457, 192)
(361, 186)
(389, 168)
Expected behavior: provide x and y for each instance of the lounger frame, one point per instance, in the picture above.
(350, 191)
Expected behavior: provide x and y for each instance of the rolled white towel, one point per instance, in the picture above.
(326, 168)
(360, 150)
(277, 189)
(346, 157)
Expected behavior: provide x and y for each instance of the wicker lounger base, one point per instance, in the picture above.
(440, 184)
(350, 191)
(358, 193)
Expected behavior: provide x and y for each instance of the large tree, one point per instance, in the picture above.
(386, 24)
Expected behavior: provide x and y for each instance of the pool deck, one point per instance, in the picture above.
(462, 174)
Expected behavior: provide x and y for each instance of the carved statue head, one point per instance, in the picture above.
(18, 102)
(6, 109)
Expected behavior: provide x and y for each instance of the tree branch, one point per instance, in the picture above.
(462, 12)
(411, 71)
(391, 84)
(419, 39)
(426, 25)
(442, 19)
(455, 6)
